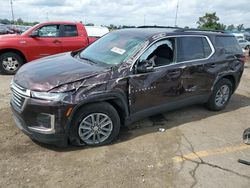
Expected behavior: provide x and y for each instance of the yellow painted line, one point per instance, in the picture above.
(206, 153)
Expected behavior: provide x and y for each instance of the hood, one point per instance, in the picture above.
(53, 71)
(10, 36)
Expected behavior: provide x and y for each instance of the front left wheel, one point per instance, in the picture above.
(10, 62)
(95, 124)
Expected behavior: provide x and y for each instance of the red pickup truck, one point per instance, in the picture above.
(39, 41)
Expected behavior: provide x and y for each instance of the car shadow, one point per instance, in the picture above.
(165, 121)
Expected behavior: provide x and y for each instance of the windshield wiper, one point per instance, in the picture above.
(87, 59)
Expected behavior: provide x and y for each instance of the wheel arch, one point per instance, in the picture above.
(2, 51)
(230, 77)
(116, 100)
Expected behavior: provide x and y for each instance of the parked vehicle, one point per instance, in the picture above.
(96, 31)
(239, 36)
(5, 30)
(245, 44)
(40, 41)
(86, 96)
(18, 29)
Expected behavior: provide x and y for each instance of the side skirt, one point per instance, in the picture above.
(166, 107)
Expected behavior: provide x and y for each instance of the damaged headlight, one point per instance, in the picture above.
(48, 96)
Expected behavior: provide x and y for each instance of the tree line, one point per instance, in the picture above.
(19, 21)
(211, 21)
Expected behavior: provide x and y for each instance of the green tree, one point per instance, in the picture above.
(210, 21)
(5, 21)
(89, 24)
(19, 21)
(231, 27)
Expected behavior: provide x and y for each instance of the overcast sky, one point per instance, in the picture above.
(128, 12)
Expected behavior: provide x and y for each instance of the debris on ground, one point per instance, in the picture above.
(244, 162)
(162, 130)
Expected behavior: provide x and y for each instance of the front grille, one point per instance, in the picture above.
(19, 95)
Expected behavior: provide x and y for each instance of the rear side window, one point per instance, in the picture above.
(70, 31)
(230, 44)
(192, 48)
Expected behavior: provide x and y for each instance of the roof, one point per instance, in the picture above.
(148, 31)
(59, 22)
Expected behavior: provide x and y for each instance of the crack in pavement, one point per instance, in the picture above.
(202, 162)
(193, 172)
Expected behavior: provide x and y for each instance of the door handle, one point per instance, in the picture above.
(56, 41)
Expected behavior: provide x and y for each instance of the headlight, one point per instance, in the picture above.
(48, 96)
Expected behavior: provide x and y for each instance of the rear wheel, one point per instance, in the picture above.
(220, 96)
(10, 62)
(95, 124)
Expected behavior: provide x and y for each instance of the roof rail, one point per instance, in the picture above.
(179, 29)
(200, 30)
(158, 26)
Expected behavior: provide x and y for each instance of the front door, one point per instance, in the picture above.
(163, 84)
(48, 41)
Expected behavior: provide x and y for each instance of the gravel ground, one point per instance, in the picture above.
(210, 144)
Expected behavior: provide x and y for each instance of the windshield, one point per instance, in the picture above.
(113, 48)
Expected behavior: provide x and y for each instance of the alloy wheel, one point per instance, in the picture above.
(10, 64)
(95, 128)
(222, 95)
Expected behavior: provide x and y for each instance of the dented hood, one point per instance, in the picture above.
(53, 71)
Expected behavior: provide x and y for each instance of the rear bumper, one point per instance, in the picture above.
(54, 138)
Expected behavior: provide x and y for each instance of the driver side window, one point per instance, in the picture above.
(49, 31)
(161, 53)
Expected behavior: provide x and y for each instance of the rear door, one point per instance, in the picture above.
(48, 41)
(194, 54)
(73, 37)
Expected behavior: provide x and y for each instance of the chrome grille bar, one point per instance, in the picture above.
(19, 95)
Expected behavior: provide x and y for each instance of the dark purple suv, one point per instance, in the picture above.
(84, 97)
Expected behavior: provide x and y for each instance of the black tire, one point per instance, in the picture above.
(17, 62)
(211, 104)
(85, 111)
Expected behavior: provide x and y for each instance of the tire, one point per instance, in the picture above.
(82, 125)
(214, 103)
(10, 62)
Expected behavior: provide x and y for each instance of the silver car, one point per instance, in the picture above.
(245, 44)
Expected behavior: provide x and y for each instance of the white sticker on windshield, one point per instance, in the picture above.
(118, 50)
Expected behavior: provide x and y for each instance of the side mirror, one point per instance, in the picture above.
(145, 66)
(34, 34)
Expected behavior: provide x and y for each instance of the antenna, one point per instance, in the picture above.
(176, 14)
(12, 12)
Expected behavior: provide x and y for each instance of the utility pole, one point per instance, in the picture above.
(176, 14)
(144, 19)
(12, 12)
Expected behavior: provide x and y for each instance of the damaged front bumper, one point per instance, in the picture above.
(48, 137)
(42, 120)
